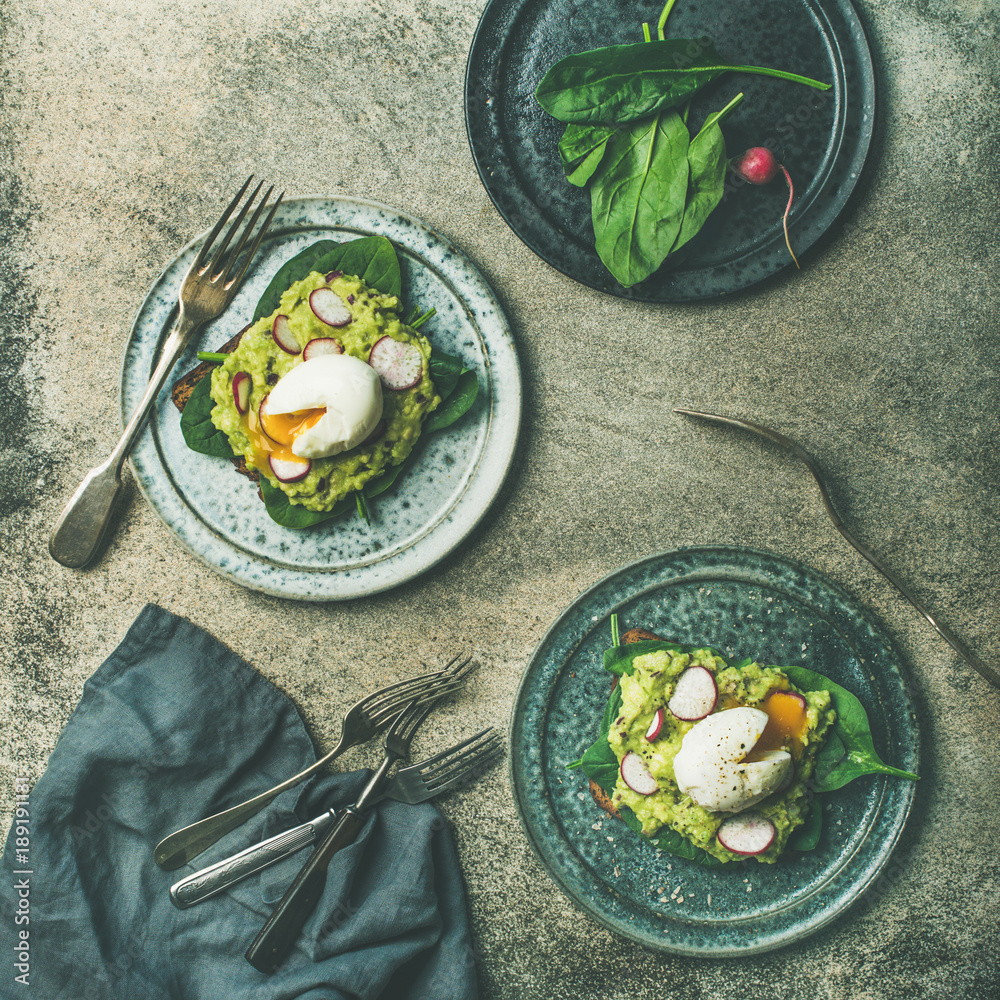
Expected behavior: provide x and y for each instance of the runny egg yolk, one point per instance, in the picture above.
(786, 724)
(275, 433)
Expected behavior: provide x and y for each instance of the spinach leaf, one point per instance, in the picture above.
(293, 515)
(371, 258)
(849, 751)
(291, 271)
(623, 83)
(638, 194)
(579, 141)
(581, 148)
(707, 164)
(806, 837)
(457, 405)
(200, 434)
(444, 370)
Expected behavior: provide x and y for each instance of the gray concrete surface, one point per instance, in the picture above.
(121, 125)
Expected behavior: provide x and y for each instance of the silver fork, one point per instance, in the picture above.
(362, 721)
(278, 936)
(205, 292)
(416, 783)
(984, 669)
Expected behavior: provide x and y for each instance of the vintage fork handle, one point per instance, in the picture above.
(278, 936)
(974, 661)
(210, 881)
(81, 527)
(182, 845)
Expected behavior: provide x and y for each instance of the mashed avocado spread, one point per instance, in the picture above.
(373, 316)
(650, 686)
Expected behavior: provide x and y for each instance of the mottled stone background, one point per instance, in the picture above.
(123, 124)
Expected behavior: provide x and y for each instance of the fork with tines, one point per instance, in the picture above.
(278, 936)
(362, 721)
(206, 291)
(416, 783)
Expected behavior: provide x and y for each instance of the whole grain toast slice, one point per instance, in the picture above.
(600, 796)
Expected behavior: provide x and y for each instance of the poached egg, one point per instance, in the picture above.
(323, 406)
(711, 764)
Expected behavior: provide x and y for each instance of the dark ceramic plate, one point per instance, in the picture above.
(822, 137)
(744, 603)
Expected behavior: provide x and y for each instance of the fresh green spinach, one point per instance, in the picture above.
(200, 434)
(371, 258)
(707, 162)
(618, 84)
(849, 752)
(638, 194)
(652, 186)
(294, 269)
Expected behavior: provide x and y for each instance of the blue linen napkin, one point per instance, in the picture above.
(172, 727)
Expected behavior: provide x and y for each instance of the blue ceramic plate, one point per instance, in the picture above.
(744, 603)
(822, 136)
(216, 514)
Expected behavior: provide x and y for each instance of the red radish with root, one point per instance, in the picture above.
(636, 775)
(760, 166)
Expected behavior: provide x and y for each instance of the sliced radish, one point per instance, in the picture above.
(399, 365)
(242, 384)
(262, 418)
(333, 275)
(281, 331)
(748, 833)
(321, 345)
(289, 470)
(659, 717)
(803, 704)
(329, 307)
(695, 695)
(636, 775)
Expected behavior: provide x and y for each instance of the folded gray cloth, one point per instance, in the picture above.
(172, 727)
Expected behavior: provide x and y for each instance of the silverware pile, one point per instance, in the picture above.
(402, 706)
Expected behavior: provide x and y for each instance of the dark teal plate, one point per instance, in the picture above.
(822, 136)
(744, 603)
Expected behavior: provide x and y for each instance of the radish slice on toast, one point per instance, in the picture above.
(329, 307)
(695, 694)
(659, 717)
(636, 775)
(321, 345)
(748, 833)
(242, 384)
(287, 470)
(399, 365)
(281, 331)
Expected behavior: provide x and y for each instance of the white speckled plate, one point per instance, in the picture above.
(216, 513)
